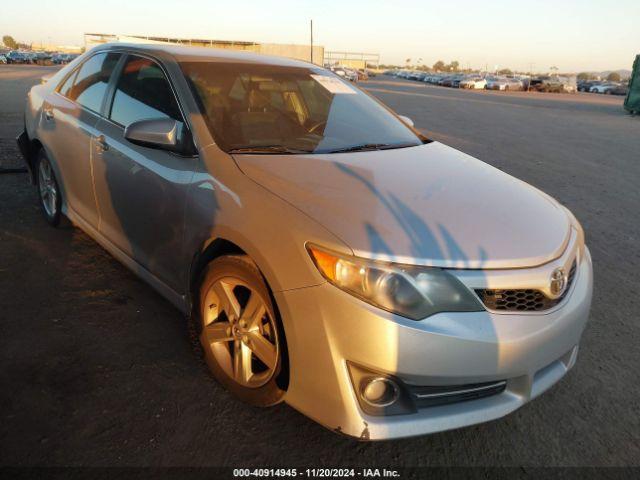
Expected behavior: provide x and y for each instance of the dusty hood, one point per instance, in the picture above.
(428, 205)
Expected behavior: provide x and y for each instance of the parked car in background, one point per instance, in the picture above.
(63, 58)
(42, 57)
(16, 57)
(416, 75)
(585, 85)
(3, 59)
(525, 81)
(455, 80)
(605, 88)
(554, 84)
(266, 231)
(362, 75)
(431, 78)
(620, 89)
(558, 84)
(351, 74)
(503, 84)
(536, 82)
(445, 81)
(473, 82)
(345, 73)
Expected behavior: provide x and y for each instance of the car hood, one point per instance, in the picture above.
(427, 205)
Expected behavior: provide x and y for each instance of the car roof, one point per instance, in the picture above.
(182, 53)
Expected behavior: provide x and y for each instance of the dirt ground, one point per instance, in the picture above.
(96, 369)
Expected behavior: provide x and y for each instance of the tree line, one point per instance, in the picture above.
(11, 43)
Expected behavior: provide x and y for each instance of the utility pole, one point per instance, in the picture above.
(311, 41)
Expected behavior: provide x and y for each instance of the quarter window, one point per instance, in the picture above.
(143, 92)
(90, 83)
(65, 89)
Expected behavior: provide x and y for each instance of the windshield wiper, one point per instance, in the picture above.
(269, 149)
(371, 146)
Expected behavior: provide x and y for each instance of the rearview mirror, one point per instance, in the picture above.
(406, 120)
(160, 133)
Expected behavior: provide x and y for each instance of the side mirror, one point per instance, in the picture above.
(160, 133)
(406, 120)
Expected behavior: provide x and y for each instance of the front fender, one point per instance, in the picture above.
(223, 203)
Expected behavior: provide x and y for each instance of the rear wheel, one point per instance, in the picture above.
(242, 338)
(50, 199)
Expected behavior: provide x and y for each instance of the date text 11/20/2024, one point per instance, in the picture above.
(316, 472)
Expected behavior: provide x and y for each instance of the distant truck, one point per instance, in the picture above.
(632, 101)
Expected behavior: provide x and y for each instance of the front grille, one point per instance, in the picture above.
(434, 396)
(522, 300)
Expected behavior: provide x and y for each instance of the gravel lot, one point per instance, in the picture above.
(96, 369)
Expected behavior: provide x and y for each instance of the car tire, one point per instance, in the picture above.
(48, 189)
(239, 330)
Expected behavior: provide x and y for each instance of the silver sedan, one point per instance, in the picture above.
(330, 255)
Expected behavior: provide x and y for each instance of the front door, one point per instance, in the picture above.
(141, 191)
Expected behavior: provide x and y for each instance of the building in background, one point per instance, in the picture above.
(352, 60)
(44, 47)
(299, 52)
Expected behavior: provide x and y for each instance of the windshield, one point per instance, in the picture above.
(253, 108)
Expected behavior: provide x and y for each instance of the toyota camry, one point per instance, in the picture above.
(330, 255)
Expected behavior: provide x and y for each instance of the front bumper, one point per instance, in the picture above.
(326, 328)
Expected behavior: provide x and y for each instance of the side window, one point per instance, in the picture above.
(143, 92)
(91, 81)
(65, 89)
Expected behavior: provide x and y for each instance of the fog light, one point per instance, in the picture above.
(380, 391)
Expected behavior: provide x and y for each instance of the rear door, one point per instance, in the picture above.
(141, 191)
(70, 115)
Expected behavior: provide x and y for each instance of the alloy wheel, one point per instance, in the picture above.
(48, 188)
(239, 332)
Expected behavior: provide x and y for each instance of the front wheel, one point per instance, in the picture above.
(242, 338)
(50, 199)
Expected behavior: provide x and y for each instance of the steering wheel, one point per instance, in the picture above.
(317, 126)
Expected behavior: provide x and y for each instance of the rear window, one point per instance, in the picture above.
(304, 110)
(91, 80)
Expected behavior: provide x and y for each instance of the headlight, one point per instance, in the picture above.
(413, 292)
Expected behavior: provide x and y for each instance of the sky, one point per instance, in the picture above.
(574, 35)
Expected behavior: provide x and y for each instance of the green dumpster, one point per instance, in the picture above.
(632, 102)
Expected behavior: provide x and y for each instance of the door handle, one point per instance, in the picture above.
(102, 143)
(48, 113)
